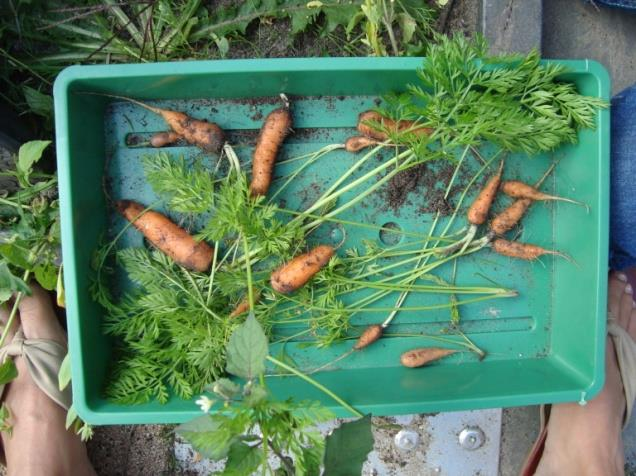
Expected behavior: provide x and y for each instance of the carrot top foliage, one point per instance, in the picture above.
(516, 102)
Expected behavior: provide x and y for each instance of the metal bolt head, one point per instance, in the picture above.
(406, 439)
(471, 438)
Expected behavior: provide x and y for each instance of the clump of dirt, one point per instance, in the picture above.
(402, 184)
(436, 203)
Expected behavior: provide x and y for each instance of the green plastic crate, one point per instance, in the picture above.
(546, 345)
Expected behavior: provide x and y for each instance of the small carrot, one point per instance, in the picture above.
(478, 211)
(518, 189)
(244, 305)
(357, 143)
(525, 251)
(276, 127)
(419, 357)
(507, 219)
(161, 139)
(206, 135)
(369, 336)
(167, 236)
(366, 118)
(295, 274)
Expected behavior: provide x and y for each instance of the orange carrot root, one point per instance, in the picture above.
(161, 139)
(525, 251)
(419, 357)
(206, 135)
(297, 272)
(518, 189)
(357, 143)
(369, 336)
(276, 127)
(507, 219)
(367, 120)
(478, 211)
(244, 305)
(167, 236)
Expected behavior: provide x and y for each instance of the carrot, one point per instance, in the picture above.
(369, 336)
(478, 211)
(518, 189)
(161, 139)
(507, 219)
(206, 135)
(513, 214)
(167, 236)
(277, 125)
(295, 274)
(525, 251)
(367, 117)
(244, 305)
(419, 357)
(357, 143)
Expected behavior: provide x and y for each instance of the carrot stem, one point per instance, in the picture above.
(316, 384)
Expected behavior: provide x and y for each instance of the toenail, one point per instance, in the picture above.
(622, 277)
(628, 289)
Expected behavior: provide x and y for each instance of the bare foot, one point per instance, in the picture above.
(39, 443)
(586, 440)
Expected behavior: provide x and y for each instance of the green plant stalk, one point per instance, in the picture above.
(185, 17)
(316, 384)
(326, 196)
(390, 309)
(212, 273)
(125, 22)
(428, 288)
(313, 158)
(14, 310)
(248, 268)
(324, 201)
(363, 225)
(9, 203)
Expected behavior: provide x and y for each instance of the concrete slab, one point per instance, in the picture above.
(579, 29)
(511, 25)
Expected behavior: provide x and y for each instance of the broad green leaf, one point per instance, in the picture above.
(300, 19)
(247, 349)
(71, 416)
(28, 155)
(224, 388)
(340, 14)
(353, 21)
(208, 435)
(64, 375)
(222, 44)
(17, 253)
(255, 395)
(39, 103)
(10, 284)
(8, 371)
(242, 459)
(407, 25)
(347, 448)
(46, 275)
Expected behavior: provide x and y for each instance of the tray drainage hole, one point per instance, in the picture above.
(337, 235)
(388, 236)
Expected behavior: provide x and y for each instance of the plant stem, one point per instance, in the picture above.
(248, 267)
(316, 384)
(14, 310)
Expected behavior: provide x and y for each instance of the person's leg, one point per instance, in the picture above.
(623, 183)
(586, 440)
(39, 444)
